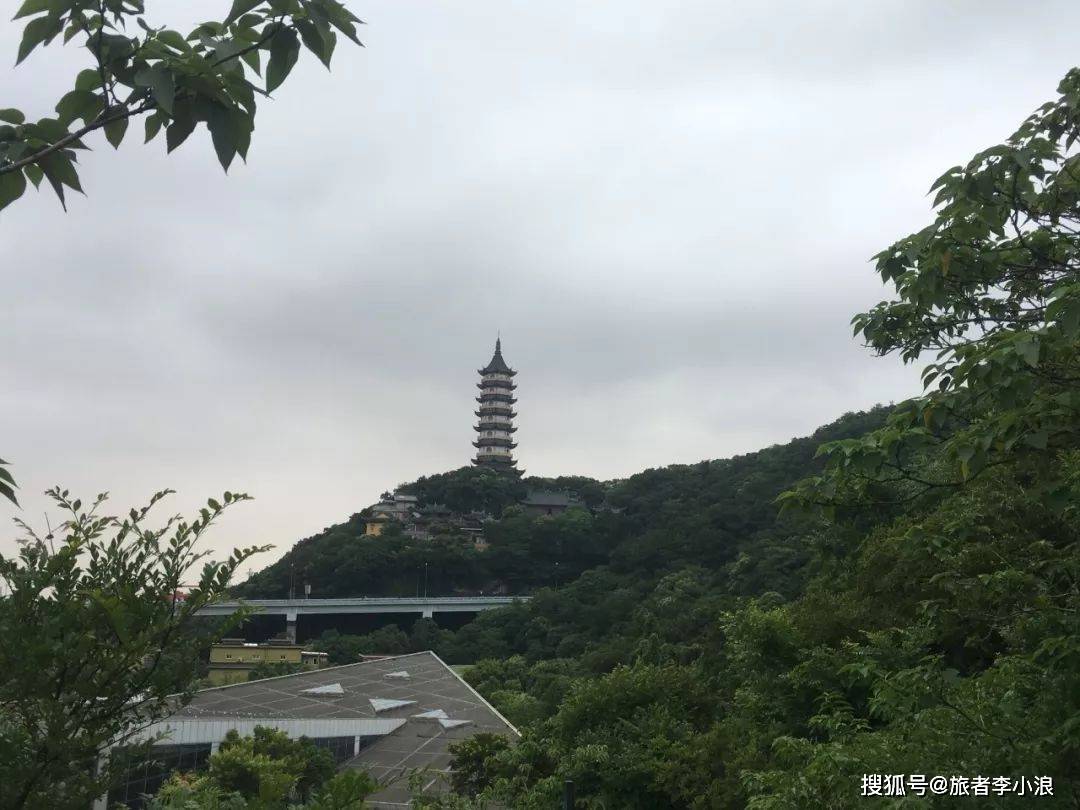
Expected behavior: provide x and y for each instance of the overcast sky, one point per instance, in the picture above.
(666, 208)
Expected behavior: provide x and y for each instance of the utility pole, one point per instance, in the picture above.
(425, 580)
(292, 581)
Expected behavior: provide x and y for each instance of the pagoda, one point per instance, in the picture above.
(494, 433)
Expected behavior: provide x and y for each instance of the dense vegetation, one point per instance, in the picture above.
(712, 513)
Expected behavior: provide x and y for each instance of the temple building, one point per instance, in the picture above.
(494, 433)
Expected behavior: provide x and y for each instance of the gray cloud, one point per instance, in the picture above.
(667, 211)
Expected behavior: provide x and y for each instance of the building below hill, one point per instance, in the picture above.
(233, 659)
(424, 522)
(545, 503)
(393, 506)
(389, 717)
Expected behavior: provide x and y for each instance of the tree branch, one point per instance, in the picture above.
(70, 138)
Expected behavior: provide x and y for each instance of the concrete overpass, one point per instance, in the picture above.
(426, 606)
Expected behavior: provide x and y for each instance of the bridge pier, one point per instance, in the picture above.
(428, 613)
(290, 626)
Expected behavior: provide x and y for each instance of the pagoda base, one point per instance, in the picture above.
(507, 468)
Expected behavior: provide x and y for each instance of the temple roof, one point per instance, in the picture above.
(497, 364)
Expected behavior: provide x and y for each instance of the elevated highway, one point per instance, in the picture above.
(426, 606)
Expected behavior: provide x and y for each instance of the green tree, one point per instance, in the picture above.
(991, 290)
(474, 764)
(269, 761)
(175, 81)
(274, 669)
(266, 771)
(99, 642)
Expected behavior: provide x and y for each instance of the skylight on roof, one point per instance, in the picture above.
(434, 714)
(328, 689)
(453, 723)
(400, 675)
(385, 704)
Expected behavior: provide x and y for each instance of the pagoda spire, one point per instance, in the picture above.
(494, 432)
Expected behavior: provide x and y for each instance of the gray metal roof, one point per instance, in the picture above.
(400, 687)
(548, 498)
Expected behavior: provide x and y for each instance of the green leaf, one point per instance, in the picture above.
(79, 104)
(153, 126)
(161, 83)
(340, 17)
(34, 174)
(182, 126)
(230, 131)
(60, 172)
(38, 30)
(12, 116)
(88, 79)
(174, 40)
(31, 7)
(12, 186)
(240, 8)
(251, 59)
(284, 50)
(1027, 346)
(8, 493)
(60, 166)
(114, 131)
(48, 129)
(320, 43)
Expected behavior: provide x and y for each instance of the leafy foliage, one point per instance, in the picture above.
(991, 289)
(275, 669)
(177, 82)
(266, 771)
(113, 646)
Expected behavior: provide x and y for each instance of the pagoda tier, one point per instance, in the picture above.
(490, 441)
(495, 410)
(495, 414)
(505, 427)
(489, 396)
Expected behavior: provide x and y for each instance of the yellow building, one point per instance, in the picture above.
(233, 659)
(375, 524)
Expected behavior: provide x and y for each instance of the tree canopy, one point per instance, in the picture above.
(212, 76)
(100, 641)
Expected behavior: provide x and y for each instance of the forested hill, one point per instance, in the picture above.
(712, 514)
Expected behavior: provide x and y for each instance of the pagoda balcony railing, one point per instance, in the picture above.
(483, 398)
(487, 441)
(494, 411)
(505, 427)
(504, 384)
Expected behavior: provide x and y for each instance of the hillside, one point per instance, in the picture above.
(710, 514)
